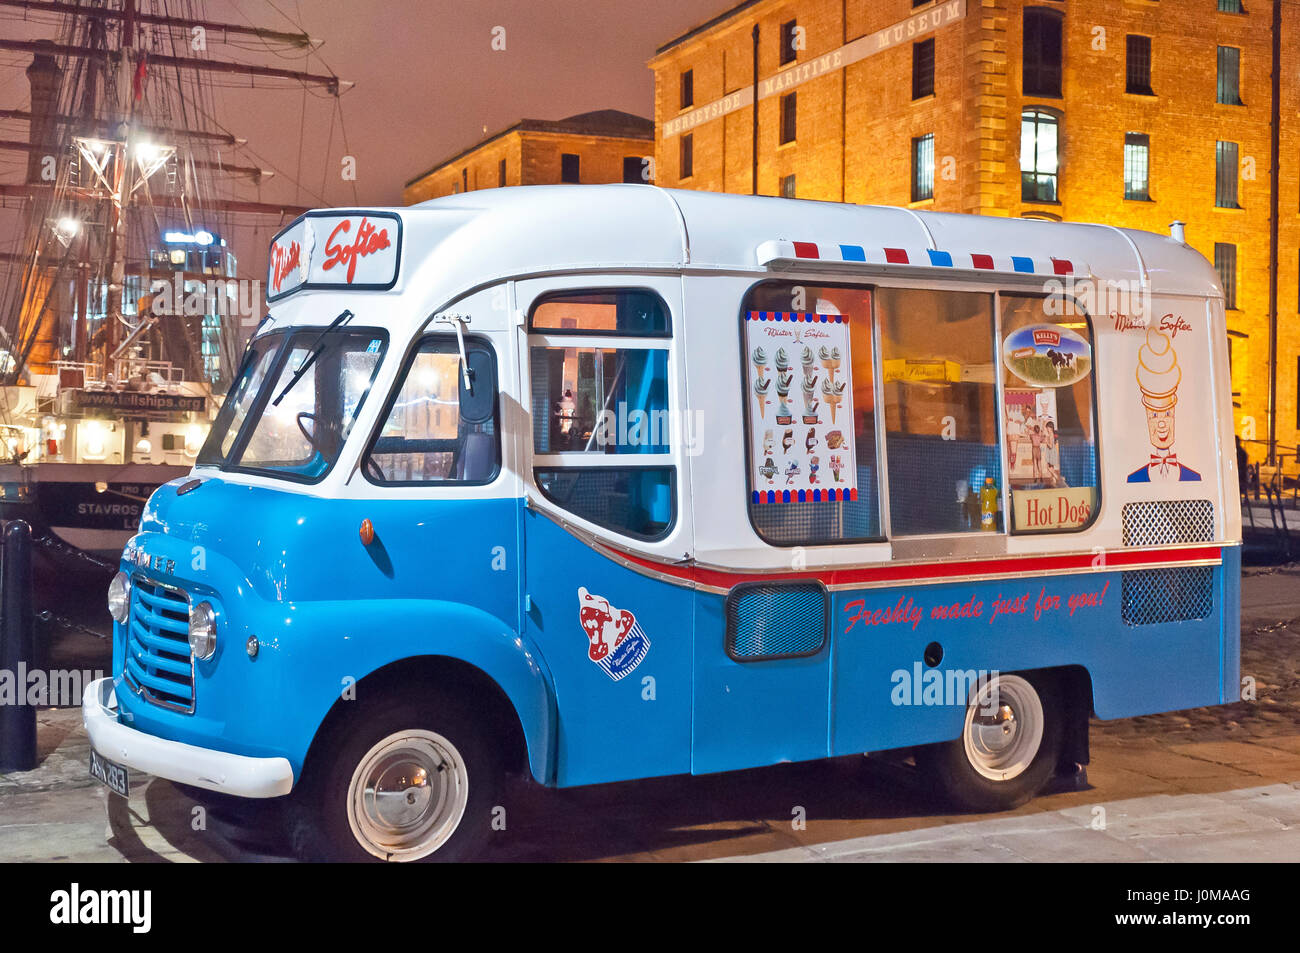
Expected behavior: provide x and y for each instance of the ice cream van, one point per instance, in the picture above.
(603, 483)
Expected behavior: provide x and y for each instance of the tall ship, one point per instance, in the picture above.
(121, 309)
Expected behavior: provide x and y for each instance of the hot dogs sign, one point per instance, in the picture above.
(800, 397)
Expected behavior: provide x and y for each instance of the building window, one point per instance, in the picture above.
(1225, 175)
(787, 186)
(923, 168)
(1039, 163)
(1229, 90)
(569, 165)
(686, 157)
(633, 167)
(923, 69)
(464, 179)
(688, 89)
(1042, 53)
(1138, 66)
(1137, 166)
(1230, 6)
(788, 111)
(789, 41)
(1225, 263)
(501, 173)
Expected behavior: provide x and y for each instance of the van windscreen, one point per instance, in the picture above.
(288, 415)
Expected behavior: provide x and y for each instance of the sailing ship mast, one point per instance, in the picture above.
(116, 156)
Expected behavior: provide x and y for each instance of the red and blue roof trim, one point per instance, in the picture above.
(781, 251)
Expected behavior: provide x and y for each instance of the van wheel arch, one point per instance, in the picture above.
(418, 677)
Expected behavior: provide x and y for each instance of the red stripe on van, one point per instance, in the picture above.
(1061, 266)
(982, 261)
(896, 256)
(805, 250)
(937, 572)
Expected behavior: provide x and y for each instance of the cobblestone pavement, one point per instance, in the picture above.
(1218, 783)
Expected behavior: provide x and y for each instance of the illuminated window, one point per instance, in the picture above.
(1039, 156)
(923, 168)
(1137, 166)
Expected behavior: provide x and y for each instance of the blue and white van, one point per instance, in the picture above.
(610, 482)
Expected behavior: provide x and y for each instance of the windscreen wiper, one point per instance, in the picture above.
(317, 346)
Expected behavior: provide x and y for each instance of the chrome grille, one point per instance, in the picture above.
(1166, 522)
(158, 663)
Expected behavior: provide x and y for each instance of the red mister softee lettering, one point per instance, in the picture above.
(283, 261)
(368, 240)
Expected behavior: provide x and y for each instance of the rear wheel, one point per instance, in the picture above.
(1010, 744)
(411, 781)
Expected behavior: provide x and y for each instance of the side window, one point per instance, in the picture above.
(941, 427)
(1049, 414)
(599, 363)
(810, 411)
(436, 431)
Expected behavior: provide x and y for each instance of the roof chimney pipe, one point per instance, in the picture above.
(1176, 232)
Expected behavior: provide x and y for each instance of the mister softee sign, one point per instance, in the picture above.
(357, 251)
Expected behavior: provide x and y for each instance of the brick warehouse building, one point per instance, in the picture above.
(595, 147)
(1126, 112)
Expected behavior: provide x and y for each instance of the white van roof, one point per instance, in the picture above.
(457, 243)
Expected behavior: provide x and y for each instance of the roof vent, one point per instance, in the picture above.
(1176, 232)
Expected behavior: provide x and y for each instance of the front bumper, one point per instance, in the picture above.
(234, 774)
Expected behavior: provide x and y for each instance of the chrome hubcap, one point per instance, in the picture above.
(1004, 728)
(408, 795)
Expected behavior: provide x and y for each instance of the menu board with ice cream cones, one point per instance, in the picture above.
(800, 407)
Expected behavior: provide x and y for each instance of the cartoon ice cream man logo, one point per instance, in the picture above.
(1158, 376)
(615, 641)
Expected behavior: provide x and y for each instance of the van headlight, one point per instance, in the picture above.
(119, 597)
(203, 630)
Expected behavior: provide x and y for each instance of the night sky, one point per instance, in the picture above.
(427, 85)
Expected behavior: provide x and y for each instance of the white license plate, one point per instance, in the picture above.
(110, 774)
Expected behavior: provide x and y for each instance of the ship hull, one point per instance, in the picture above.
(79, 527)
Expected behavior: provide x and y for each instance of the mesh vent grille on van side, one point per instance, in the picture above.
(1165, 522)
(776, 621)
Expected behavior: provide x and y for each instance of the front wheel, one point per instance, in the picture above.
(1010, 743)
(411, 781)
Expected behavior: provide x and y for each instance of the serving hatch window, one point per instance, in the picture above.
(941, 421)
(810, 410)
(307, 388)
(1049, 413)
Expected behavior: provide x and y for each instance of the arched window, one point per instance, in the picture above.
(1042, 52)
(1039, 156)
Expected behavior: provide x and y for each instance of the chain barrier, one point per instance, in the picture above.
(58, 546)
(48, 615)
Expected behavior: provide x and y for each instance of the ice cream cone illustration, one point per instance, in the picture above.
(1158, 377)
(761, 388)
(830, 358)
(837, 464)
(833, 392)
(782, 360)
(760, 362)
(810, 401)
(783, 382)
(808, 361)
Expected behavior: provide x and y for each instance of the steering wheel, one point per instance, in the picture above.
(309, 434)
